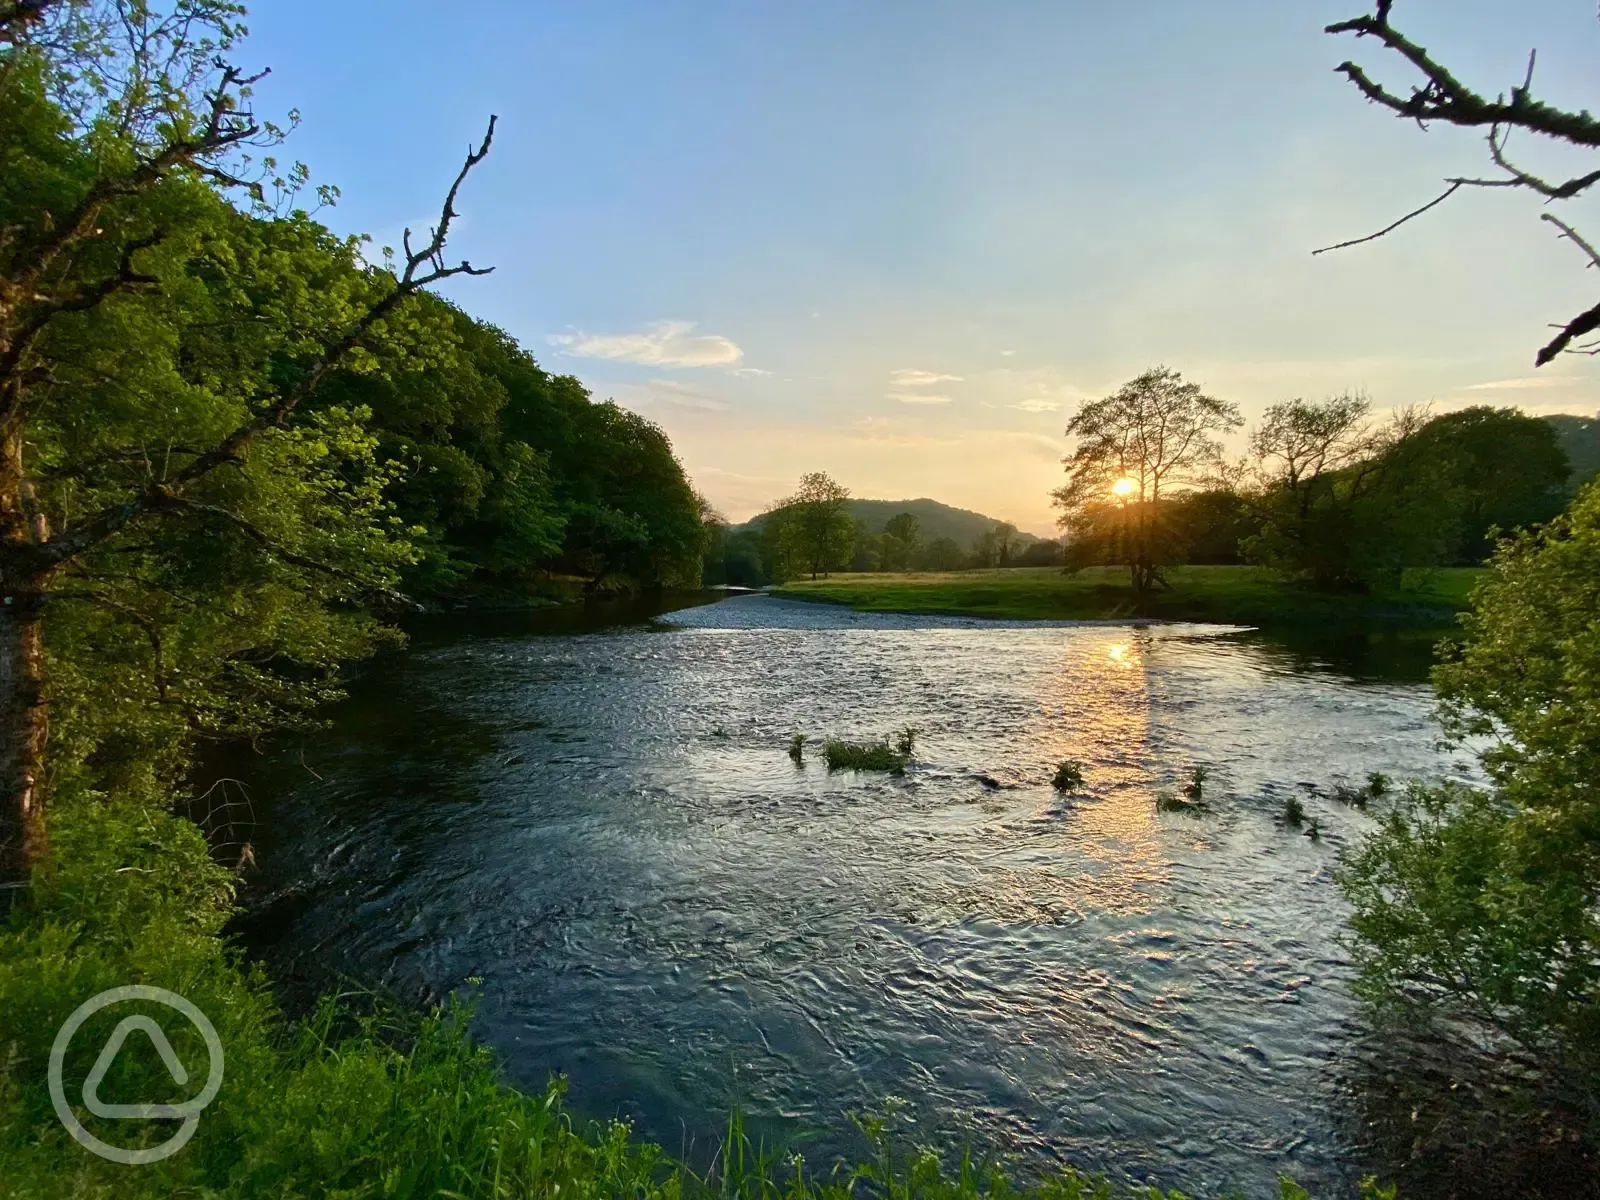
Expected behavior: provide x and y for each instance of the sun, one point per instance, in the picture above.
(1124, 487)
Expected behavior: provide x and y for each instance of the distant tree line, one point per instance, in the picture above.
(812, 533)
(1327, 493)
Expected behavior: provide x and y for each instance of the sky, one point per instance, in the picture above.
(899, 241)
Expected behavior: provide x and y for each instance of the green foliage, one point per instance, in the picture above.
(1068, 777)
(797, 747)
(1504, 470)
(1378, 785)
(906, 740)
(1195, 788)
(1294, 812)
(1482, 904)
(866, 756)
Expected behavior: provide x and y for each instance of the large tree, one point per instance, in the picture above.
(813, 529)
(1440, 97)
(1155, 434)
(162, 354)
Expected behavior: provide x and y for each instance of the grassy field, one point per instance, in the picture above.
(1234, 595)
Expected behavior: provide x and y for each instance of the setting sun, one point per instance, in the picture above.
(1124, 487)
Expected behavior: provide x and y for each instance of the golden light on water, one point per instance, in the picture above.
(1124, 487)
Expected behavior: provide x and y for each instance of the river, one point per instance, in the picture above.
(604, 827)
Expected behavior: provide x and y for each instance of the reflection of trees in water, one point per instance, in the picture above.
(1442, 1121)
(1402, 655)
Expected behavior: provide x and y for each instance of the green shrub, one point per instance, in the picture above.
(1294, 812)
(906, 740)
(1196, 787)
(1068, 778)
(1479, 905)
(797, 747)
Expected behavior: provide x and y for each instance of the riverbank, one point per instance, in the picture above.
(1228, 595)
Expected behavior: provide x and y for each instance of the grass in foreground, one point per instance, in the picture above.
(339, 1106)
(1233, 595)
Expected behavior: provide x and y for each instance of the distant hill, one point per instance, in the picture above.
(935, 520)
(1580, 438)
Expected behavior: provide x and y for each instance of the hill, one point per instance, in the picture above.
(936, 520)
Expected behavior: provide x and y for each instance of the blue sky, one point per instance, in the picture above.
(899, 241)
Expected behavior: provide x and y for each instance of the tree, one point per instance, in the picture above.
(902, 541)
(1480, 904)
(1043, 553)
(1442, 97)
(1159, 433)
(162, 353)
(943, 554)
(1506, 471)
(1344, 504)
(816, 527)
(1580, 441)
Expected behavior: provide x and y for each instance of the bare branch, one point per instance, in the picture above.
(1517, 177)
(1568, 231)
(1444, 98)
(1372, 237)
(1584, 323)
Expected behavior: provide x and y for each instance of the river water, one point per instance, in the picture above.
(605, 828)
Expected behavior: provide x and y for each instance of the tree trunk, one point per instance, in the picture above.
(24, 727)
(24, 719)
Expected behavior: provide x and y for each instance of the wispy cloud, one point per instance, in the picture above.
(1007, 353)
(1037, 406)
(751, 372)
(683, 396)
(663, 344)
(920, 398)
(911, 377)
(1528, 381)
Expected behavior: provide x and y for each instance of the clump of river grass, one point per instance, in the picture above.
(1069, 777)
(1294, 812)
(1314, 830)
(1193, 799)
(1171, 802)
(1377, 787)
(865, 756)
(797, 746)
